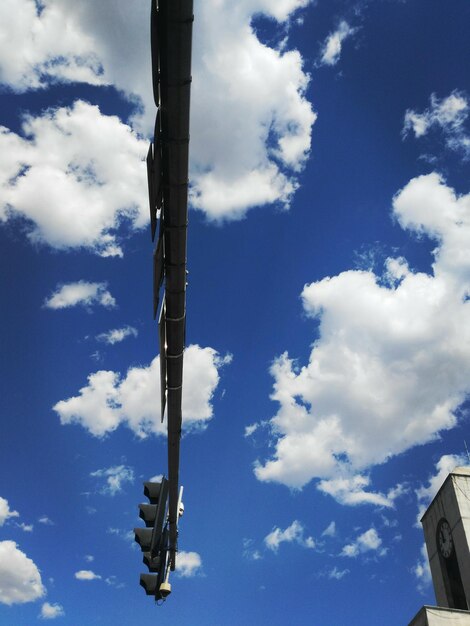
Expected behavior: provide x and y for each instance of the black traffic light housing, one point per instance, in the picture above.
(153, 539)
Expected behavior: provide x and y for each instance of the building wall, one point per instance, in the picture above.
(461, 485)
(438, 616)
(453, 503)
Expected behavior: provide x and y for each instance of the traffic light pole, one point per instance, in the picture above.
(167, 171)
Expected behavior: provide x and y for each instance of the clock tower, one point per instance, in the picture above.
(446, 526)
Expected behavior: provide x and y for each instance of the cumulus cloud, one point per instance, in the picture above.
(109, 400)
(46, 521)
(421, 570)
(351, 490)
(5, 511)
(80, 293)
(367, 542)
(99, 43)
(448, 115)
(331, 50)
(188, 564)
(53, 46)
(86, 574)
(293, 533)
(20, 579)
(257, 106)
(374, 385)
(116, 335)
(114, 478)
(424, 494)
(74, 191)
(51, 611)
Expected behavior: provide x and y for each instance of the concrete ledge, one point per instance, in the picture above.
(440, 616)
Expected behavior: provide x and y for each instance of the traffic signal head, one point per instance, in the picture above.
(152, 490)
(149, 583)
(143, 536)
(153, 539)
(154, 516)
(148, 512)
(154, 564)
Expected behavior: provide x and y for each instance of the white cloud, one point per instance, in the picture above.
(89, 558)
(337, 574)
(446, 464)
(331, 50)
(125, 535)
(51, 611)
(109, 400)
(46, 521)
(188, 564)
(374, 385)
(115, 477)
(256, 106)
(116, 335)
(112, 581)
(5, 512)
(330, 530)
(20, 579)
(350, 490)
(249, 552)
(86, 574)
(74, 191)
(367, 542)
(249, 430)
(421, 570)
(448, 114)
(80, 293)
(53, 46)
(293, 533)
(27, 528)
(389, 523)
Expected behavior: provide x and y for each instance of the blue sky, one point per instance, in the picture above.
(328, 362)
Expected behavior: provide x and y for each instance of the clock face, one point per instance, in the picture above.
(444, 539)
